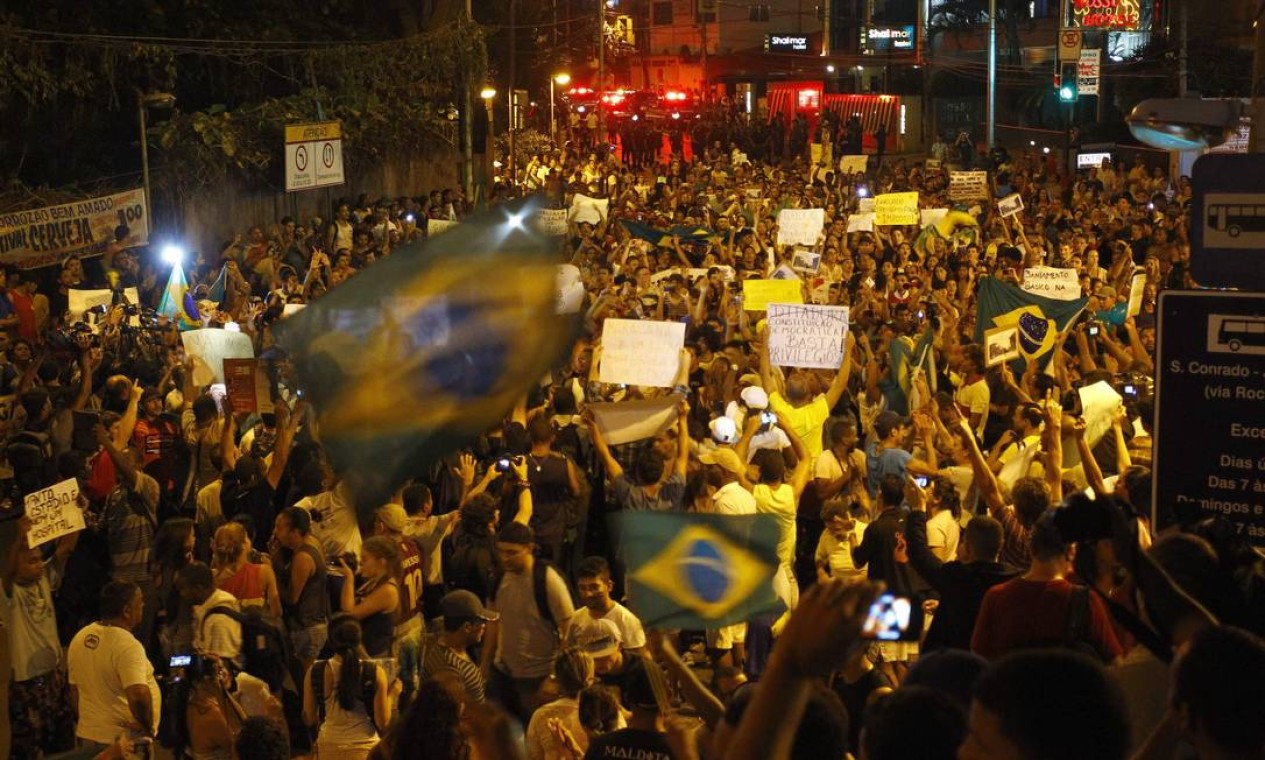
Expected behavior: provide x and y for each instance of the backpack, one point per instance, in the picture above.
(29, 455)
(265, 648)
(540, 591)
(368, 688)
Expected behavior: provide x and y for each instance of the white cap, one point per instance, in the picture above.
(724, 430)
(754, 397)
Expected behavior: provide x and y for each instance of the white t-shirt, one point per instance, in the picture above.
(973, 399)
(631, 634)
(943, 533)
(103, 661)
(839, 554)
(28, 615)
(220, 634)
(733, 499)
(337, 530)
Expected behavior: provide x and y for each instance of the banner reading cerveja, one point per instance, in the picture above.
(41, 236)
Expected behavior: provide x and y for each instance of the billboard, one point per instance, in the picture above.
(888, 39)
(1120, 15)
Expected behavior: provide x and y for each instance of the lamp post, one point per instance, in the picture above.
(144, 102)
(488, 94)
(561, 80)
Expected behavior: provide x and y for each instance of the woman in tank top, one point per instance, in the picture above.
(254, 585)
(346, 721)
(376, 601)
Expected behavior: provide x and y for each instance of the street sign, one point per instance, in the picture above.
(1227, 221)
(1088, 67)
(314, 155)
(1069, 46)
(1210, 409)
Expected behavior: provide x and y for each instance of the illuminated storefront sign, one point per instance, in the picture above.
(884, 39)
(786, 43)
(1105, 14)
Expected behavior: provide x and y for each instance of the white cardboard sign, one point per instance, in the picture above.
(1010, 205)
(968, 186)
(800, 226)
(210, 347)
(807, 336)
(54, 512)
(1052, 282)
(641, 352)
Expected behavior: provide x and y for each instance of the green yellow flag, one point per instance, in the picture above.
(689, 570)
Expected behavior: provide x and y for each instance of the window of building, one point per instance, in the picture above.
(661, 14)
(758, 14)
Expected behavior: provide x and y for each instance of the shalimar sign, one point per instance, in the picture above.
(1122, 15)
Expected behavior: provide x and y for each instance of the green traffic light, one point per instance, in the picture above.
(1067, 93)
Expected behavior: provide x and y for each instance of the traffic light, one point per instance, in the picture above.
(1065, 83)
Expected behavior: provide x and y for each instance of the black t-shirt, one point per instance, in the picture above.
(630, 743)
(256, 501)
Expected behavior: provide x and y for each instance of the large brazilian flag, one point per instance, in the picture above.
(429, 347)
(690, 570)
(1038, 318)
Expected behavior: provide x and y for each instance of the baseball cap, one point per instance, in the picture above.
(750, 378)
(599, 638)
(394, 517)
(463, 605)
(755, 397)
(516, 533)
(723, 430)
(886, 422)
(726, 458)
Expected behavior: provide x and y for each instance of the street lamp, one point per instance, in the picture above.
(488, 93)
(562, 80)
(144, 102)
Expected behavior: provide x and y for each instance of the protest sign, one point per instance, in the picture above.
(929, 216)
(54, 512)
(1052, 282)
(861, 222)
(896, 208)
(805, 260)
(933, 164)
(635, 420)
(968, 186)
(81, 300)
(210, 347)
(1010, 205)
(800, 226)
(570, 289)
(784, 272)
(1136, 287)
(807, 336)
(553, 221)
(819, 289)
(438, 226)
(1001, 344)
(641, 352)
(865, 205)
(42, 236)
(586, 209)
(758, 294)
(247, 385)
(853, 164)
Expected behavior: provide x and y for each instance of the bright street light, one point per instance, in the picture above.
(172, 254)
(487, 93)
(563, 79)
(560, 80)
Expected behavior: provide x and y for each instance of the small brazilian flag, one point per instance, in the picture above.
(177, 302)
(689, 570)
(1039, 319)
(429, 347)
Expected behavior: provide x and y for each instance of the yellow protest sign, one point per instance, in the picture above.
(896, 208)
(758, 294)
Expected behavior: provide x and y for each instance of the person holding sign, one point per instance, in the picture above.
(43, 722)
(806, 415)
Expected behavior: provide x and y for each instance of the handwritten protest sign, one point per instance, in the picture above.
(853, 164)
(861, 222)
(54, 512)
(805, 260)
(933, 164)
(570, 289)
(929, 216)
(800, 226)
(1136, 286)
(586, 209)
(42, 236)
(247, 385)
(553, 221)
(635, 420)
(758, 294)
(438, 226)
(641, 352)
(896, 208)
(1010, 205)
(784, 272)
(968, 186)
(865, 205)
(1052, 282)
(807, 336)
(210, 347)
(80, 300)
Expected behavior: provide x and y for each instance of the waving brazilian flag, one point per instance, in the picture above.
(1038, 318)
(690, 570)
(429, 347)
(177, 302)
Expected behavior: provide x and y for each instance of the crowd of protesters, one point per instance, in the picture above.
(226, 601)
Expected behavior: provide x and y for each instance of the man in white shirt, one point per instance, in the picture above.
(973, 395)
(724, 471)
(112, 682)
(593, 582)
(334, 522)
(217, 634)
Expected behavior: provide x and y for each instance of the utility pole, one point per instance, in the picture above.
(601, 70)
(991, 118)
(467, 110)
(511, 99)
(825, 27)
(1256, 144)
(702, 19)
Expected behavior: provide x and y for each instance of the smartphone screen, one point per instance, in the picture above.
(921, 480)
(891, 618)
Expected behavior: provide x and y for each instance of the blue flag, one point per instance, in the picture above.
(905, 356)
(691, 570)
(218, 288)
(1038, 319)
(429, 347)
